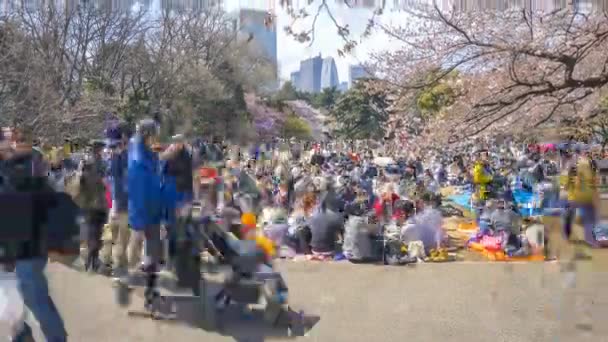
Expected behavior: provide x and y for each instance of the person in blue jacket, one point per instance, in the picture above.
(114, 250)
(145, 197)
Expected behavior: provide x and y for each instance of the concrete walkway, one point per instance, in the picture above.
(430, 302)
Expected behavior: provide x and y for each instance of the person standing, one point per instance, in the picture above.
(145, 195)
(87, 188)
(481, 181)
(115, 244)
(179, 172)
(578, 180)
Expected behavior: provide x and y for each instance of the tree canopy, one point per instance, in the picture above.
(361, 112)
(518, 68)
(63, 72)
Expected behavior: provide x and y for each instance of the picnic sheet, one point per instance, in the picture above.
(523, 198)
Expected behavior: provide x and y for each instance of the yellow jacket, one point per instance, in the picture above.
(481, 179)
(580, 187)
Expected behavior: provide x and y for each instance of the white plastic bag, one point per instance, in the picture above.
(12, 310)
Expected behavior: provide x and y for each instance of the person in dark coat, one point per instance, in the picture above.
(17, 175)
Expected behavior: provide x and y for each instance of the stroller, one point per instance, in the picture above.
(252, 280)
(248, 283)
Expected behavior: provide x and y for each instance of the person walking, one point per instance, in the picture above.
(145, 196)
(17, 175)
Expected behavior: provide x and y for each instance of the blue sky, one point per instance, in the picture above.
(327, 41)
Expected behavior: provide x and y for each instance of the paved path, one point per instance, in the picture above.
(431, 302)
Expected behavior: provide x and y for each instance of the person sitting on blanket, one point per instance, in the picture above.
(324, 229)
(507, 223)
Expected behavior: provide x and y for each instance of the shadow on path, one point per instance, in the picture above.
(234, 321)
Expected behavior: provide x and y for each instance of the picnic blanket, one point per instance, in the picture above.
(525, 200)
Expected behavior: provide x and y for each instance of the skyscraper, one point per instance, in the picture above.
(255, 22)
(356, 72)
(295, 79)
(310, 74)
(329, 74)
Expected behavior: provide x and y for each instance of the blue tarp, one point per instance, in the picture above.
(522, 197)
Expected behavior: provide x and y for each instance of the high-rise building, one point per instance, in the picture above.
(356, 72)
(261, 29)
(310, 74)
(329, 74)
(295, 79)
(264, 32)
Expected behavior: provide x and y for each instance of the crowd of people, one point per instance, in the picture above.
(361, 201)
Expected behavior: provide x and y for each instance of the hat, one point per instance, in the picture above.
(147, 127)
(113, 132)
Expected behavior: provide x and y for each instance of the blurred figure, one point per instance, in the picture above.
(88, 190)
(115, 245)
(145, 197)
(578, 181)
(481, 180)
(17, 175)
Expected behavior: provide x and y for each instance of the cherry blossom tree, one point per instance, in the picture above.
(525, 69)
(267, 121)
(519, 68)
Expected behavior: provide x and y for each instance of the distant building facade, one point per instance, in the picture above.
(310, 75)
(262, 33)
(295, 79)
(255, 22)
(356, 72)
(329, 74)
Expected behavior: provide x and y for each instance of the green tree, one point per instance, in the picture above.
(287, 93)
(325, 99)
(296, 127)
(361, 113)
(438, 95)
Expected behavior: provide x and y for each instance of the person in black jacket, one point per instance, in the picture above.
(18, 180)
(179, 166)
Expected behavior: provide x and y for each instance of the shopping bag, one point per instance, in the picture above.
(12, 312)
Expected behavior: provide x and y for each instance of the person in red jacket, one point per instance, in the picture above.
(386, 200)
(108, 195)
